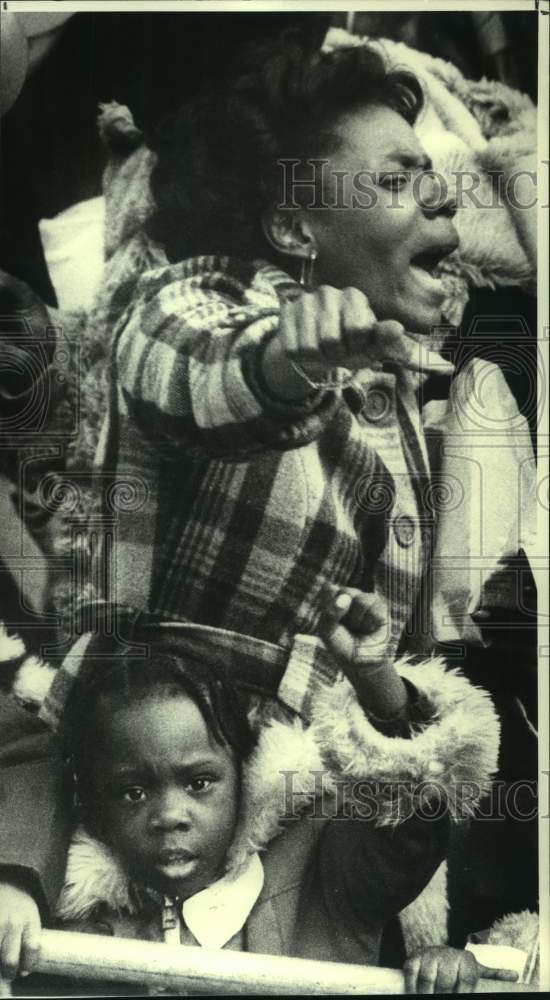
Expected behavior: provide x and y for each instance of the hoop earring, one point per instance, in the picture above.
(72, 784)
(308, 268)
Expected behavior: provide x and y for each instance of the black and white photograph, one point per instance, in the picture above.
(274, 495)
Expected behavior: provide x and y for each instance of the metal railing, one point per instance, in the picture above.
(186, 969)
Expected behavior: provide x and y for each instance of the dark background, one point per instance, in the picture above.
(51, 153)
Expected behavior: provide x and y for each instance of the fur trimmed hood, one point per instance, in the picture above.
(452, 758)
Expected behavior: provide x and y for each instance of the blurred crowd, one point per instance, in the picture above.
(56, 68)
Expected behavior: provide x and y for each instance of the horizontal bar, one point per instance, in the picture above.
(91, 956)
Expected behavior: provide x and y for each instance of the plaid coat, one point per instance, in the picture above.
(232, 508)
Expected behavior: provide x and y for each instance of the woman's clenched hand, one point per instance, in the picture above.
(333, 327)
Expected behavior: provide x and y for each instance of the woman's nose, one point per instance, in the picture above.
(171, 810)
(435, 197)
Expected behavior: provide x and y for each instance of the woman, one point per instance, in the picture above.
(261, 474)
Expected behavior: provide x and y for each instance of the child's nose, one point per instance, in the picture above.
(172, 810)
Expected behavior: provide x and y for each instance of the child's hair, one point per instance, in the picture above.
(124, 679)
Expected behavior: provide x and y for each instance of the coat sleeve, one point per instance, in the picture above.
(395, 797)
(188, 358)
(449, 760)
(34, 828)
(368, 874)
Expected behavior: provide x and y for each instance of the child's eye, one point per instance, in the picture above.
(201, 784)
(134, 794)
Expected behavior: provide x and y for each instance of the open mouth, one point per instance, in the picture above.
(175, 857)
(429, 265)
(432, 258)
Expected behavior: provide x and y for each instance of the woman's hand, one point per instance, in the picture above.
(333, 327)
(448, 970)
(355, 629)
(19, 932)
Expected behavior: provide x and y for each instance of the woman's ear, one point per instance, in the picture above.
(288, 232)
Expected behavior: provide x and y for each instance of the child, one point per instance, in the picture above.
(177, 797)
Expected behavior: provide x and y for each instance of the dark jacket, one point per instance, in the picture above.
(34, 825)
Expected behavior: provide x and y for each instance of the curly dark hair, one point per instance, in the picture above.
(217, 157)
(123, 680)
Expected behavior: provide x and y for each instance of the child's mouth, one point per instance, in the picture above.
(175, 858)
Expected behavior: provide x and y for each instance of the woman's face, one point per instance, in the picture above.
(389, 212)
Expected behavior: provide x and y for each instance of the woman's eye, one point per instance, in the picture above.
(134, 794)
(394, 181)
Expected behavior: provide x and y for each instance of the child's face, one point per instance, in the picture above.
(166, 792)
